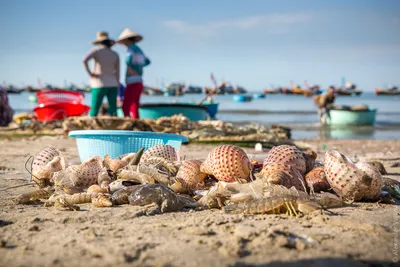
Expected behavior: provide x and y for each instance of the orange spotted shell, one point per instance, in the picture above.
(316, 179)
(164, 151)
(190, 176)
(353, 182)
(227, 163)
(286, 175)
(286, 155)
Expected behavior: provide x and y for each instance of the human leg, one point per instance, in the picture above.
(97, 100)
(112, 93)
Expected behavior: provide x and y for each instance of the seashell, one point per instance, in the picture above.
(120, 197)
(44, 158)
(379, 166)
(286, 175)
(96, 189)
(85, 174)
(352, 182)
(310, 157)
(287, 155)
(116, 164)
(164, 151)
(104, 178)
(227, 163)
(316, 179)
(101, 201)
(121, 184)
(374, 188)
(189, 176)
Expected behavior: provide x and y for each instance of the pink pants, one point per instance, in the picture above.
(132, 99)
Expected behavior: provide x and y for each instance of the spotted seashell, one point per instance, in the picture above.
(227, 163)
(374, 188)
(287, 155)
(348, 180)
(190, 176)
(316, 179)
(164, 151)
(116, 164)
(286, 175)
(46, 162)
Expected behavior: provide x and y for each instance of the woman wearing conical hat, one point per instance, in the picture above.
(135, 62)
(104, 78)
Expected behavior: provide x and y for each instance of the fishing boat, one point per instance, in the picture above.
(157, 110)
(393, 91)
(212, 108)
(351, 117)
(271, 91)
(242, 98)
(259, 96)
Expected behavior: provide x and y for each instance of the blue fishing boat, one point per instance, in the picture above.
(212, 108)
(351, 117)
(259, 96)
(242, 98)
(155, 111)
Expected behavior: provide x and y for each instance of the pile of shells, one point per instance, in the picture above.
(288, 181)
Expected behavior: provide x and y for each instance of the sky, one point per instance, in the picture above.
(252, 43)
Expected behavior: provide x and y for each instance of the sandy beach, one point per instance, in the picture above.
(32, 235)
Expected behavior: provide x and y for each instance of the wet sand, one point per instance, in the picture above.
(32, 235)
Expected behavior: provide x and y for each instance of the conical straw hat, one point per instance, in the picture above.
(128, 33)
(102, 36)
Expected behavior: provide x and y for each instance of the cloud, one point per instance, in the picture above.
(279, 23)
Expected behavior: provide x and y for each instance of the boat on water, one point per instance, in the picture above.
(351, 117)
(242, 98)
(271, 91)
(191, 111)
(348, 92)
(259, 96)
(391, 91)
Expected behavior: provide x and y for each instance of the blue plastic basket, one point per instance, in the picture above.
(116, 142)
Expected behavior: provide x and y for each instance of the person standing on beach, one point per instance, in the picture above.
(324, 103)
(105, 75)
(135, 62)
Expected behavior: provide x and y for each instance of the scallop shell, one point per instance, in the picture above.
(227, 163)
(351, 182)
(190, 176)
(316, 179)
(164, 151)
(287, 155)
(116, 164)
(46, 162)
(286, 175)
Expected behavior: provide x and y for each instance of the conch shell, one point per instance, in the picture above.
(163, 151)
(46, 163)
(116, 164)
(286, 175)
(316, 179)
(227, 163)
(288, 155)
(353, 182)
(189, 176)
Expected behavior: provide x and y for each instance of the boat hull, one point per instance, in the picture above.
(155, 111)
(351, 117)
(242, 98)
